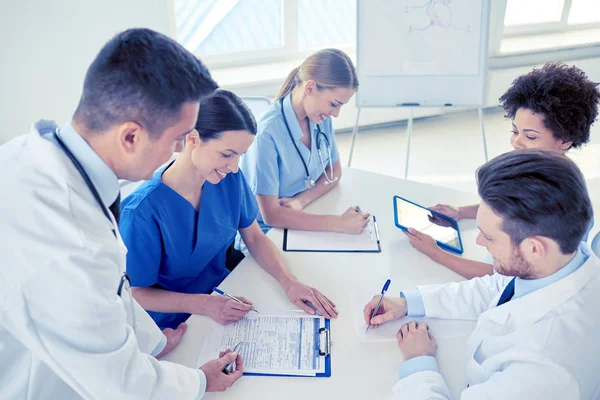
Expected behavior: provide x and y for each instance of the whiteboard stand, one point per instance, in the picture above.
(485, 153)
(354, 132)
(408, 135)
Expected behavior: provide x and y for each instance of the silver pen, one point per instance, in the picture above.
(222, 293)
(376, 228)
(229, 367)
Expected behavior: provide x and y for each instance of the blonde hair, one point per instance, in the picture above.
(329, 68)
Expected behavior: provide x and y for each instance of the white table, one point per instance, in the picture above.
(360, 370)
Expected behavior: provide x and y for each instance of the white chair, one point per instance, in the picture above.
(257, 104)
(127, 187)
(595, 244)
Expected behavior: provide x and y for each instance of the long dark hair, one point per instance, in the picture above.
(223, 111)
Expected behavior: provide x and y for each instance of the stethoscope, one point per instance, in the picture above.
(90, 185)
(321, 137)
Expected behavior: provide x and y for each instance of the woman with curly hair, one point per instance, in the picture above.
(551, 108)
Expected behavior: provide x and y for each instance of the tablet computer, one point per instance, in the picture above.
(440, 227)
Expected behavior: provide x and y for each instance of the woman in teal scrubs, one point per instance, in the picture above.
(294, 160)
(179, 225)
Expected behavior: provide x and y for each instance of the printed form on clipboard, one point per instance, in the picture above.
(275, 344)
(367, 241)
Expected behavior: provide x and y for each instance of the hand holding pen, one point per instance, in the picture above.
(390, 309)
(222, 293)
(229, 368)
(386, 285)
(216, 379)
(353, 220)
(225, 308)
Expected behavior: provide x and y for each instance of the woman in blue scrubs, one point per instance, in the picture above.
(179, 225)
(294, 159)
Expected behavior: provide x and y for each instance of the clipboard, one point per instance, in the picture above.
(368, 241)
(324, 349)
(262, 337)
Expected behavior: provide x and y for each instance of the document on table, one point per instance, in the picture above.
(274, 344)
(365, 242)
(439, 328)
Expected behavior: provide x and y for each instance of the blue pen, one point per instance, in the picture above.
(231, 297)
(385, 288)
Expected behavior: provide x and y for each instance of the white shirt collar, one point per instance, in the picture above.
(101, 175)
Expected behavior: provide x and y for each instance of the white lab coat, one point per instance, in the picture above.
(544, 345)
(64, 331)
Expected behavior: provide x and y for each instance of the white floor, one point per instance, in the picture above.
(446, 150)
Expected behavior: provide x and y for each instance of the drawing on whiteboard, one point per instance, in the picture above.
(422, 37)
(439, 13)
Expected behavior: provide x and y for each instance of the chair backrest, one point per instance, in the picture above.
(595, 245)
(257, 104)
(127, 187)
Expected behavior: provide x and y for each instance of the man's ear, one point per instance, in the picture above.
(130, 135)
(534, 248)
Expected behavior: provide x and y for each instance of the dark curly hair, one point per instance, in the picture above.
(563, 94)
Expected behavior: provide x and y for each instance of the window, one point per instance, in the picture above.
(584, 12)
(233, 32)
(519, 12)
(544, 16)
(326, 23)
(210, 27)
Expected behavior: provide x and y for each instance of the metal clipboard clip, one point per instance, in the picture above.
(324, 342)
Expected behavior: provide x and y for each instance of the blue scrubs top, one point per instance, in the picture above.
(272, 164)
(173, 247)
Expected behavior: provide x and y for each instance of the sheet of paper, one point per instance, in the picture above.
(333, 241)
(439, 328)
(272, 344)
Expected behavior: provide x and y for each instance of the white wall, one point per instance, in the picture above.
(498, 80)
(47, 46)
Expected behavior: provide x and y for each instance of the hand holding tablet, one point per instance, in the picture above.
(442, 229)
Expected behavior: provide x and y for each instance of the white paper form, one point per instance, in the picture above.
(274, 344)
(333, 241)
(439, 328)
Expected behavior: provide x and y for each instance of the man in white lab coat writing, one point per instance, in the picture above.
(537, 335)
(69, 327)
